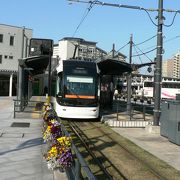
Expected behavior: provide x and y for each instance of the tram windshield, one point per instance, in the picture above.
(79, 87)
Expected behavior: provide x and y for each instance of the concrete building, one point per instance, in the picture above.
(13, 46)
(171, 67)
(70, 47)
(167, 68)
(176, 65)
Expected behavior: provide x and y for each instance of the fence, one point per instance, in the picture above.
(26, 106)
(140, 115)
(74, 173)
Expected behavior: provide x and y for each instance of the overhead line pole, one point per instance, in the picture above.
(158, 66)
(129, 79)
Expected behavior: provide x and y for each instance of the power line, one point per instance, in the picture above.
(83, 18)
(143, 53)
(150, 17)
(163, 42)
(172, 39)
(172, 20)
(136, 44)
(146, 40)
(137, 53)
(122, 47)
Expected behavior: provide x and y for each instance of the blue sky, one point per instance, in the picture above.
(56, 19)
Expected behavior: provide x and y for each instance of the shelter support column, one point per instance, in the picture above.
(10, 85)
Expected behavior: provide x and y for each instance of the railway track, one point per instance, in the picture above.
(110, 156)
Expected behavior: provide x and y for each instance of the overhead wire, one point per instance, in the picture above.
(150, 17)
(137, 53)
(137, 45)
(172, 38)
(163, 42)
(172, 20)
(144, 53)
(122, 47)
(90, 6)
(146, 40)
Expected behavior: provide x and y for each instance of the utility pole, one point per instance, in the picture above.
(49, 78)
(113, 51)
(158, 66)
(129, 79)
(21, 73)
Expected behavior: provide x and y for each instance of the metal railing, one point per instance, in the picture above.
(27, 106)
(142, 110)
(74, 173)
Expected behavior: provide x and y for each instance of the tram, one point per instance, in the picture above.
(77, 89)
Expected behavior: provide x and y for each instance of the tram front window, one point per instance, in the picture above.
(79, 85)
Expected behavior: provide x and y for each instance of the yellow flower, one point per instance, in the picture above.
(64, 141)
(53, 152)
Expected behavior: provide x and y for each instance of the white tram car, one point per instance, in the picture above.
(77, 89)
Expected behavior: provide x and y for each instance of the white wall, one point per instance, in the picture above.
(16, 49)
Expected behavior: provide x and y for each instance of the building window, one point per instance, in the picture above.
(1, 38)
(10, 57)
(11, 40)
(5, 56)
(0, 59)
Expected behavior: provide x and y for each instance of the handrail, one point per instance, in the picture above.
(20, 105)
(80, 164)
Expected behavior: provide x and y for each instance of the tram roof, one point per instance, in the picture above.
(113, 67)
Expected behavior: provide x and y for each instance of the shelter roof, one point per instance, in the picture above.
(114, 67)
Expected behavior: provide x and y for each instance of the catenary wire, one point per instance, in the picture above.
(164, 42)
(122, 47)
(143, 53)
(172, 20)
(150, 17)
(146, 40)
(137, 53)
(83, 18)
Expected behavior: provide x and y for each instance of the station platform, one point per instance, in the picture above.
(141, 134)
(21, 146)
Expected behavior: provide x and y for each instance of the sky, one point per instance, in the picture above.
(56, 19)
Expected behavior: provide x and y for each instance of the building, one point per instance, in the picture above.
(70, 47)
(13, 46)
(171, 67)
(167, 68)
(176, 65)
